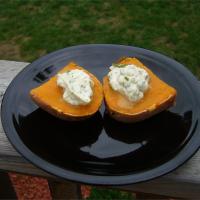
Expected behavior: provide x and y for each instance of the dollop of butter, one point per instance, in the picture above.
(129, 80)
(77, 87)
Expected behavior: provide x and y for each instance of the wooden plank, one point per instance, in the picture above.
(8, 70)
(166, 187)
(183, 182)
(20, 165)
(63, 190)
(6, 190)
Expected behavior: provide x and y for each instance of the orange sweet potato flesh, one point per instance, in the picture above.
(157, 98)
(48, 96)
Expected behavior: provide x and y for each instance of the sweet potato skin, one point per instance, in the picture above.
(122, 117)
(56, 113)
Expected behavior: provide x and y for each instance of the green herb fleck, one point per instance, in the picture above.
(119, 65)
(126, 78)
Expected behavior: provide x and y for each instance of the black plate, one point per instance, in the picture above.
(101, 150)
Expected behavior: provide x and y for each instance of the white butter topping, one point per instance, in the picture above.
(129, 80)
(77, 87)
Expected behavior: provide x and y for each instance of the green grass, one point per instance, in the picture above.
(100, 194)
(32, 28)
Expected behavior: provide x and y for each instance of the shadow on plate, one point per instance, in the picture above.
(55, 139)
(165, 126)
(102, 145)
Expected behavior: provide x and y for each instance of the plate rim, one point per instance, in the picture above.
(96, 179)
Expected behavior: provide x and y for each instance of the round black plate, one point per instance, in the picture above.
(101, 150)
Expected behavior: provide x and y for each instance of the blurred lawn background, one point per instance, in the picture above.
(32, 28)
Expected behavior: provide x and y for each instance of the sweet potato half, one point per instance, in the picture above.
(157, 98)
(48, 96)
